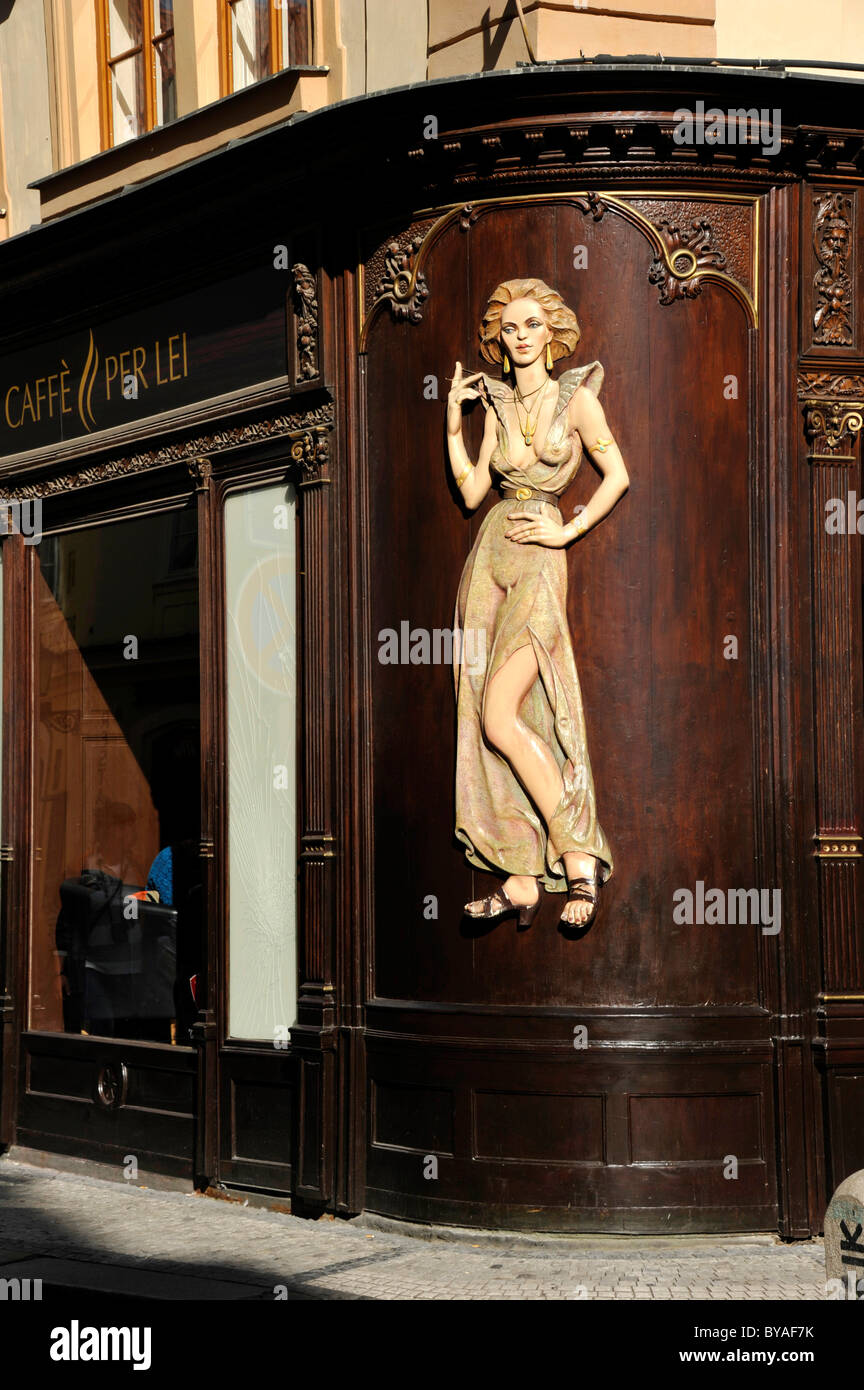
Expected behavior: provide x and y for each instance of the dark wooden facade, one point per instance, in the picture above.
(721, 287)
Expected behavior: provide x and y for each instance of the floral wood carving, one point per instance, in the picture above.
(832, 240)
(830, 384)
(833, 421)
(593, 203)
(306, 309)
(402, 286)
(687, 254)
(311, 452)
(201, 472)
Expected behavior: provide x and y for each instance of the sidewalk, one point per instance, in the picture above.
(91, 1234)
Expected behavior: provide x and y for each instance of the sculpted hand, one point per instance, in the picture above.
(462, 390)
(532, 528)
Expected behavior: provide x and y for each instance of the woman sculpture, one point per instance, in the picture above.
(524, 790)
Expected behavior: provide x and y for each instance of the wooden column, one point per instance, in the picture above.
(314, 1035)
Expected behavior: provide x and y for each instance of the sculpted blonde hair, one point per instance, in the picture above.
(563, 322)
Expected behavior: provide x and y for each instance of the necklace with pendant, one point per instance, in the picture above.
(529, 429)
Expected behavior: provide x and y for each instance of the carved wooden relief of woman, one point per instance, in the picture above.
(525, 803)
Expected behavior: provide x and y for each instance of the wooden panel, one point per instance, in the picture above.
(419, 1118)
(521, 1127)
(846, 1108)
(678, 1128)
(59, 1109)
(551, 1141)
(654, 592)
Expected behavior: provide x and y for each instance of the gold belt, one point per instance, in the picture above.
(524, 493)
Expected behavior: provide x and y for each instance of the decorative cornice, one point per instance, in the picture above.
(559, 149)
(194, 452)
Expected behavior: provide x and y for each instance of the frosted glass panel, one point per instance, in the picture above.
(262, 704)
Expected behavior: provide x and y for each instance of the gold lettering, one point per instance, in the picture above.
(185, 365)
(173, 355)
(13, 424)
(138, 367)
(160, 379)
(40, 396)
(28, 404)
(64, 390)
(109, 376)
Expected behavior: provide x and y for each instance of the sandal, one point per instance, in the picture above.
(499, 905)
(589, 894)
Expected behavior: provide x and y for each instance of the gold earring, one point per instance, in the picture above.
(548, 357)
(506, 364)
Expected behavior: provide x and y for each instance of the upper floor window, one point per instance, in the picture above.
(261, 37)
(139, 87)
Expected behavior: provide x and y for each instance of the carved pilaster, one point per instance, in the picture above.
(310, 457)
(832, 425)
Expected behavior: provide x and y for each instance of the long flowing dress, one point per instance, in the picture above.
(512, 595)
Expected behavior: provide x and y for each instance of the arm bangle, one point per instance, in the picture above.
(461, 480)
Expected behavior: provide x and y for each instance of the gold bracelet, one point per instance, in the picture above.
(580, 526)
(601, 445)
(460, 481)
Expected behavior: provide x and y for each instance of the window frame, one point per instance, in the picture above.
(150, 41)
(226, 47)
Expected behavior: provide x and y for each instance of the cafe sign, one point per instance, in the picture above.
(200, 345)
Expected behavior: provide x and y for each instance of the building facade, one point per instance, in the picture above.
(242, 260)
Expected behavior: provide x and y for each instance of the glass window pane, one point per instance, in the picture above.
(163, 16)
(294, 19)
(127, 99)
(262, 815)
(124, 26)
(116, 941)
(250, 41)
(166, 81)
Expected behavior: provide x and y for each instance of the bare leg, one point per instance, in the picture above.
(534, 764)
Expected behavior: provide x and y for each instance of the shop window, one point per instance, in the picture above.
(116, 946)
(260, 37)
(261, 655)
(139, 88)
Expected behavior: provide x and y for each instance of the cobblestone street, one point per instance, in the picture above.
(93, 1234)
